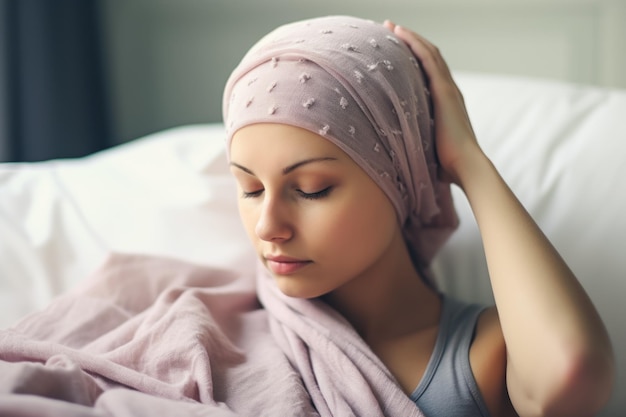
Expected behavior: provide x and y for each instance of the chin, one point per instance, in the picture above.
(290, 288)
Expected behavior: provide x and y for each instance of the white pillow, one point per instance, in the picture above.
(170, 194)
(167, 194)
(560, 147)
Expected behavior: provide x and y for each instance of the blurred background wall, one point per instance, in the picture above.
(164, 62)
(169, 59)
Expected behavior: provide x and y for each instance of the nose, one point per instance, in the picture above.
(273, 224)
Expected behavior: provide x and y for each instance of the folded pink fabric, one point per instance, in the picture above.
(154, 336)
(340, 372)
(148, 336)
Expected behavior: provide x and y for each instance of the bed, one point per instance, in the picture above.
(560, 146)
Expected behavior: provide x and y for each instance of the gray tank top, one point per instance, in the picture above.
(448, 387)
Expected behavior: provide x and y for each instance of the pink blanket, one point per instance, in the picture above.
(149, 336)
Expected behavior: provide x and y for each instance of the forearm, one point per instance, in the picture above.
(551, 329)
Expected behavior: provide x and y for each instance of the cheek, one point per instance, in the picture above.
(362, 228)
(248, 219)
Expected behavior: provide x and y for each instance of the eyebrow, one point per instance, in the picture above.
(291, 167)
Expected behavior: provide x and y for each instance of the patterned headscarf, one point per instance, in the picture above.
(354, 83)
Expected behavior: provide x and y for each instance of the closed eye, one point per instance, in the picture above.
(251, 194)
(308, 196)
(317, 195)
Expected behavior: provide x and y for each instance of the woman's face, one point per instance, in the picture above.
(316, 219)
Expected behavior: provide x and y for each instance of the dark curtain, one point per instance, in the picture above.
(53, 82)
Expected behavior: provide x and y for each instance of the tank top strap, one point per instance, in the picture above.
(448, 387)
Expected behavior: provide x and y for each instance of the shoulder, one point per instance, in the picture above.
(488, 362)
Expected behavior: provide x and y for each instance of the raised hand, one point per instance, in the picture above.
(455, 139)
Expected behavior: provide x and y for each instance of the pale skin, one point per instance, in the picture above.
(542, 350)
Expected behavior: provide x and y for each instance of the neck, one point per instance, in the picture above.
(388, 301)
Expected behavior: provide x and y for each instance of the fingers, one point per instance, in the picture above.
(389, 24)
(420, 46)
(434, 65)
(453, 130)
(428, 54)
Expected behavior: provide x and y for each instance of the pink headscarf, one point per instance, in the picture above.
(351, 81)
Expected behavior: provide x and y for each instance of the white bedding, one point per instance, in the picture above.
(561, 148)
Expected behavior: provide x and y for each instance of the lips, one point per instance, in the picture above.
(285, 265)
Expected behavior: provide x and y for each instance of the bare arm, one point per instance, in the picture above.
(559, 356)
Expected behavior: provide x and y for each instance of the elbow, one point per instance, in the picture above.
(589, 381)
(584, 384)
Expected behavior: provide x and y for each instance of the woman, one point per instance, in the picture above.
(343, 146)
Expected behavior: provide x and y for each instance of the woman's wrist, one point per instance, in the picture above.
(469, 167)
